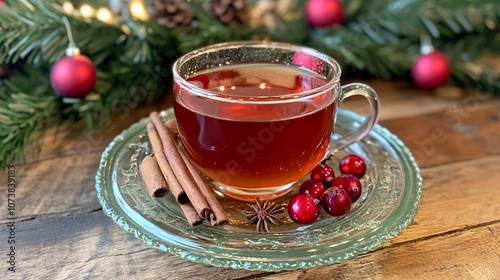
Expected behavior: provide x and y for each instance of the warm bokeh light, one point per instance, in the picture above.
(138, 10)
(68, 8)
(86, 11)
(126, 29)
(104, 15)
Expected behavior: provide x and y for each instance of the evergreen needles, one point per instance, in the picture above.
(25, 112)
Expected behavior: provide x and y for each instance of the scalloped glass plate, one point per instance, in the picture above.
(392, 189)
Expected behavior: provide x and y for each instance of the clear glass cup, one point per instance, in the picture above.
(256, 117)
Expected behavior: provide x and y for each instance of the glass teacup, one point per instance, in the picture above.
(256, 117)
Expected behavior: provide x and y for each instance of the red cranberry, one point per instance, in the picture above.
(336, 201)
(303, 208)
(313, 188)
(354, 165)
(324, 174)
(350, 184)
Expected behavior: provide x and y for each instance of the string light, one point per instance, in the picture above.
(138, 11)
(104, 15)
(86, 11)
(126, 29)
(68, 8)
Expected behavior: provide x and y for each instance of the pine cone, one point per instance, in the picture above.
(173, 13)
(227, 11)
(268, 12)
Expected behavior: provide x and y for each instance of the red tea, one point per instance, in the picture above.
(261, 142)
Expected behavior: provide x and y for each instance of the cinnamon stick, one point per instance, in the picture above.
(219, 217)
(171, 126)
(166, 172)
(213, 220)
(179, 168)
(191, 215)
(172, 182)
(153, 177)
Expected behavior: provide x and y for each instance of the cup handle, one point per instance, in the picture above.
(371, 119)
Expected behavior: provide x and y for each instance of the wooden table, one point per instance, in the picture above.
(62, 233)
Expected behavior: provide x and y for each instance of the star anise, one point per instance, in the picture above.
(263, 214)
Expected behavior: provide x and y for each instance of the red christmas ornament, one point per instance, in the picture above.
(322, 13)
(431, 70)
(73, 76)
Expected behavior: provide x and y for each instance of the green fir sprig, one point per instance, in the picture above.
(27, 108)
(384, 37)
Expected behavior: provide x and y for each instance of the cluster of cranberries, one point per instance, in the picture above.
(335, 195)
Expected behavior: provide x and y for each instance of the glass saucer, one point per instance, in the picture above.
(392, 188)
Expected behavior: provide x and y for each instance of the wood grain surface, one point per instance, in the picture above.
(62, 233)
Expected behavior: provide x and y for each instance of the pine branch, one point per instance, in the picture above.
(357, 51)
(413, 18)
(24, 114)
(383, 40)
(465, 53)
(33, 31)
(123, 57)
(477, 76)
